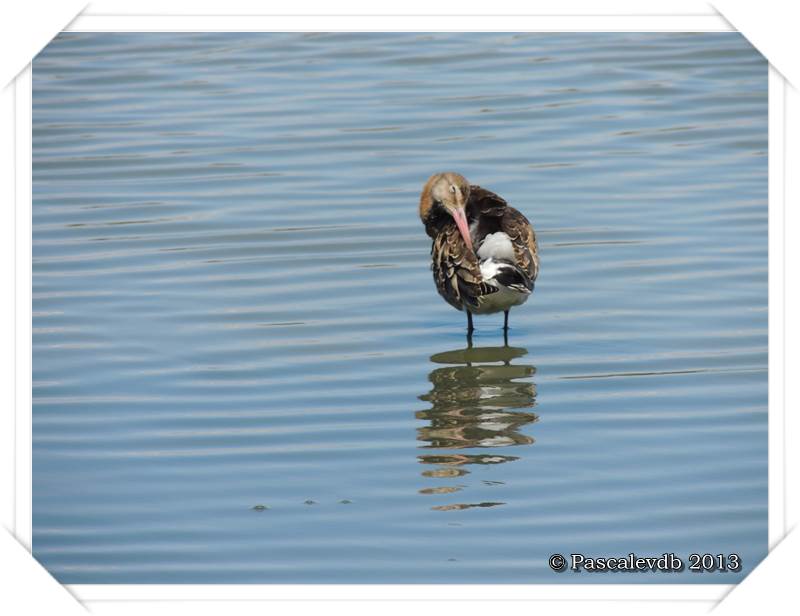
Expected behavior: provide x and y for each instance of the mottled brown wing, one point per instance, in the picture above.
(523, 238)
(456, 270)
(487, 202)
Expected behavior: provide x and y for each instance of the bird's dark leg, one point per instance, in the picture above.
(505, 321)
(470, 328)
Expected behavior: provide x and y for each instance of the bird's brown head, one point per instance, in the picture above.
(448, 193)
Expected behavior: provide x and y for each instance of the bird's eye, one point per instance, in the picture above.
(453, 189)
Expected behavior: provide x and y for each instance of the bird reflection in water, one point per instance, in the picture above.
(475, 404)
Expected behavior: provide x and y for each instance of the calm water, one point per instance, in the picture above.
(232, 307)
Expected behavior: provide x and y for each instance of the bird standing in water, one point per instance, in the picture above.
(484, 252)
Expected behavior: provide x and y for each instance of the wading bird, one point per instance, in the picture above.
(484, 252)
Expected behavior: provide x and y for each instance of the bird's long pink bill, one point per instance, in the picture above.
(460, 217)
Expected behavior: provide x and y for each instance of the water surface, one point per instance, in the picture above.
(242, 371)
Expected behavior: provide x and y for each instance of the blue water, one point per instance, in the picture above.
(242, 371)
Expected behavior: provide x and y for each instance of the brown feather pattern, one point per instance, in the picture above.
(456, 269)
(486, 202)
(523, 239)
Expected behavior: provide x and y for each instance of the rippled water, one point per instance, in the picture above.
(243, 373)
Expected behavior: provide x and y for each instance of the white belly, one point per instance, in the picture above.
(502, 299)
(496, 245)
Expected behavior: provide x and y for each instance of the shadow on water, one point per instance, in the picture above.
(475, 403)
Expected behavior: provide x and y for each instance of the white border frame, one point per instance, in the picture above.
(653, 23)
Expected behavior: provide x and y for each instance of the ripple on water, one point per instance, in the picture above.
(241, 369)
